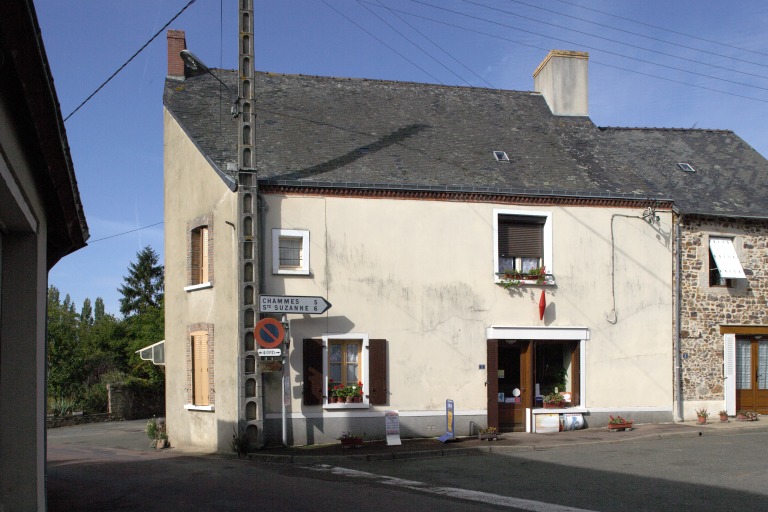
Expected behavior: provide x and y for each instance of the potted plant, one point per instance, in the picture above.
(746, 416)
(723, 416)
(511, 277)
(554, 401)
(488, 433)
(349, 440)
(618, 423)
(157, 433)
(702, 416)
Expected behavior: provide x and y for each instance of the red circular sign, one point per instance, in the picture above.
(269, 333)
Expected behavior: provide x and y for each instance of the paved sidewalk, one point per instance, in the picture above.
(420, 448)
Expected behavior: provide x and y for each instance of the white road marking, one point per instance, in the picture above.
(452, 492)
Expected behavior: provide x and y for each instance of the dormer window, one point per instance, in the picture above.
(501, 156)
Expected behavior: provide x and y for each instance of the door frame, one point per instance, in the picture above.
(496, 333)
(729, 333)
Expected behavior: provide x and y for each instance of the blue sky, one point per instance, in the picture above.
(679, 64)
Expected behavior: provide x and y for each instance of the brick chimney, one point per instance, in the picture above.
(177, 41)
(562, 79)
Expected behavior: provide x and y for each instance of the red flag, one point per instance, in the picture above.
(542, 305)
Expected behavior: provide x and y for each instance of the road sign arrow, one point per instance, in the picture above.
(293, 304)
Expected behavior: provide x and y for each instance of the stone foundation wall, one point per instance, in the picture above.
(134, 402)
(705, 308)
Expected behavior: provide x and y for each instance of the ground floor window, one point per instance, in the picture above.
(345, 361)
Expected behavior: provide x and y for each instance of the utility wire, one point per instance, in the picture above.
(129, 60)
(561, 27)
(413, 43)
(382, 42)
(124, 232)
(586, 46)
(721, 55)
(665, 29)
(435, 44)
(593, 61)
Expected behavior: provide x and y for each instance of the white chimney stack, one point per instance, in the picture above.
(562, 79)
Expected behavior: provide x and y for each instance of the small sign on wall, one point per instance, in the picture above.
(392, 427)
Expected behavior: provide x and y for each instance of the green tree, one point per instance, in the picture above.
(143, 286)
(86, 314)
(65, 369)
(98, 313)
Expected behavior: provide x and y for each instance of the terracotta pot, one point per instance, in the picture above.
(702, 420)
(724, 418)
(554, 405)
(620, 426)
(350, 399)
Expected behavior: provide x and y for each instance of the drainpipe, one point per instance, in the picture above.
(678, 316)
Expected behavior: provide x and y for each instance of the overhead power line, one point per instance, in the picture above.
(382, 42)
(125, 232)
(484, 20)
(561, 27)
(721, 55)
(453, 25)
(113, 75)
(665, 29)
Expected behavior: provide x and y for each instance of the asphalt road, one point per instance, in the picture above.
(112, 467)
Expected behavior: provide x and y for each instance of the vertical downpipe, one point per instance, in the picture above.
(678, 316)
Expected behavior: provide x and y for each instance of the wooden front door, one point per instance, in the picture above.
(752, 374)
(512, 389)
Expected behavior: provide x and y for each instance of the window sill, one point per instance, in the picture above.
(201, 286)
(549, 280)
(353, 405)
(192, 407)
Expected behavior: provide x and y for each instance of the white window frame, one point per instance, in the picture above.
(363, 370)
(278, 233)
(547, 237)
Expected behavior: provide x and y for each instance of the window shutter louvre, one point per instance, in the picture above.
(377, 372)
(492, 378)
(521, 237)
(313, 371)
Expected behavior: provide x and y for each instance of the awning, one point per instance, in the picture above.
(727, 261)
(154, 353)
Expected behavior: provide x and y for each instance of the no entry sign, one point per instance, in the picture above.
(269, 333)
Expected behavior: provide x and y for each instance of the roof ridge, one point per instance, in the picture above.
(663, 129)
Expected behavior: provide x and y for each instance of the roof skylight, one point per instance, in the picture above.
(686, 167)
(501, 156)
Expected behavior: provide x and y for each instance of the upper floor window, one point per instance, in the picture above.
(522, 241)
(200, 255)
(290, 251)
(724, 264)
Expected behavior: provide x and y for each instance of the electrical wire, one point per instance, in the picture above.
(638, 47)
(665, 29)
(592, 61)
(382, 42)
(113, 75)
(362, 4)
(721, 55)
(124, 233)
(616, 54)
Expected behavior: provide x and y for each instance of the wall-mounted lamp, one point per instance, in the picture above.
(649, 216)
(195, 64)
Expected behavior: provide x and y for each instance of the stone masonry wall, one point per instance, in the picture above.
(705, 308)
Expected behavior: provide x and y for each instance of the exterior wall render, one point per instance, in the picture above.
(194, 192)
(704, 309)
(420, 274)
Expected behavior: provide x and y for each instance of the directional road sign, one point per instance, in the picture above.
(293, 304)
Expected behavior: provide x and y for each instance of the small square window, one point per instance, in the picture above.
(290, 251)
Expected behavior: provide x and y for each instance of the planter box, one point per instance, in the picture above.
(614, 427)
(352, 442)
(488, 437)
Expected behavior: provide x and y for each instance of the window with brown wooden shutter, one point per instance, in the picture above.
(200, 370)
(377, 373)
(199, 255)
(312, 352)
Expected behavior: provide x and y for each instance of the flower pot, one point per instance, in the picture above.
(358, 399)
(352, 442)
(488, 436)
(614, 427)
(723, 418)
(350, 399)
(553, 405)
(702, 420)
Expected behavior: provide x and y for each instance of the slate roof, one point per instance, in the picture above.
(374, 133)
